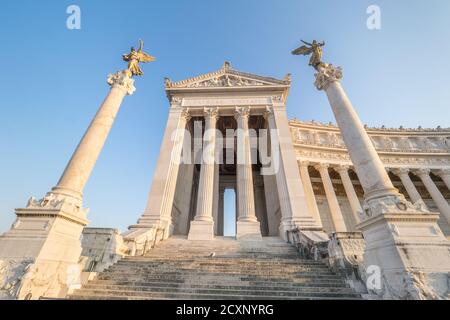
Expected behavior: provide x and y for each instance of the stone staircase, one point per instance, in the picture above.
(182, 269)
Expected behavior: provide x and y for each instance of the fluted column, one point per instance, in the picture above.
(80, 166)
(202, 228)
(445, 176)
(247, 225)
(402, 239)
(438, 198)
(295, 212)
(371, 173)
(309, 191)
(403, 174)
(335, 210)
(350, 191)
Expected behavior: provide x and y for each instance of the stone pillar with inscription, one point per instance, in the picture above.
(402, 239)
(40, 254)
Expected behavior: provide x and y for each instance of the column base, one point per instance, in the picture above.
(248, 230)
(406, 254)
(201, 230)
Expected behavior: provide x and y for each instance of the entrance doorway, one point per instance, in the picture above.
(229, 213)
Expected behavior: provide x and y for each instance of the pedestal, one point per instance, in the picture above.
(248, 230)
(40, 254)
(201, 230)
(403, 241)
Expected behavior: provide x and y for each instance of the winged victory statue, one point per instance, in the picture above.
(135, 57)
(315, 49)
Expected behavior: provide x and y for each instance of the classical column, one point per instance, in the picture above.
(41, 252)
(80, 166)
(157, 213)
(445, 176)
(350, 191)
(438, 198)
(371, 172)
(202, 227)
(402, 239)
(403, 174)
(335, 210)
(247, 224)
(309, 191)
(295, 212)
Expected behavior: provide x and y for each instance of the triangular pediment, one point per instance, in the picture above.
(227, 77)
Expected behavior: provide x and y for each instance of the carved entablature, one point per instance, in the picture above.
(431, 147)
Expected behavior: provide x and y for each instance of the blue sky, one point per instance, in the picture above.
(54, 79)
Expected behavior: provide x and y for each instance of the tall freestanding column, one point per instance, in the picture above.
(86, 154)
(40, 254)
(350, 191)
(247, 224)
(402, 240)
(202, 227)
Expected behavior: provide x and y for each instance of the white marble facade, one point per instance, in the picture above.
(316, 186)
(417, 160)
(308, 184)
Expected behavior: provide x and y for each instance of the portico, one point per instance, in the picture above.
(236, 137)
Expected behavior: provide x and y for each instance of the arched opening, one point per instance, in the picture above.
(229, 213)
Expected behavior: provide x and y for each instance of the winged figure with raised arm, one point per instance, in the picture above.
(135, 57)
(315, 49)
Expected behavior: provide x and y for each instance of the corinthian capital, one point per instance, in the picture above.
(268, 113)
(326, 74)
(443, 172)
(422, 172)
(400, 171)
(123, 81)
(242, 112)
(342, 168)
(186, 115)
(211, 113)
(321, 166)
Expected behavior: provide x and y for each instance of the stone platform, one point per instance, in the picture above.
(183, 269)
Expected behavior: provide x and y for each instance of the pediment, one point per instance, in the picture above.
(226, 77)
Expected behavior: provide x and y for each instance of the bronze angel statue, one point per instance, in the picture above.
(135, 57)
(315, 49)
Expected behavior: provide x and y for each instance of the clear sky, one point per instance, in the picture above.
(54, 79)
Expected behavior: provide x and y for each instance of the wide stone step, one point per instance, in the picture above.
(224, 287)
(145, 260)
(229, 277)
(181, 296)
(211, 266)
(214, 293)
(226, 281)
(182, 269)
(188, 272)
